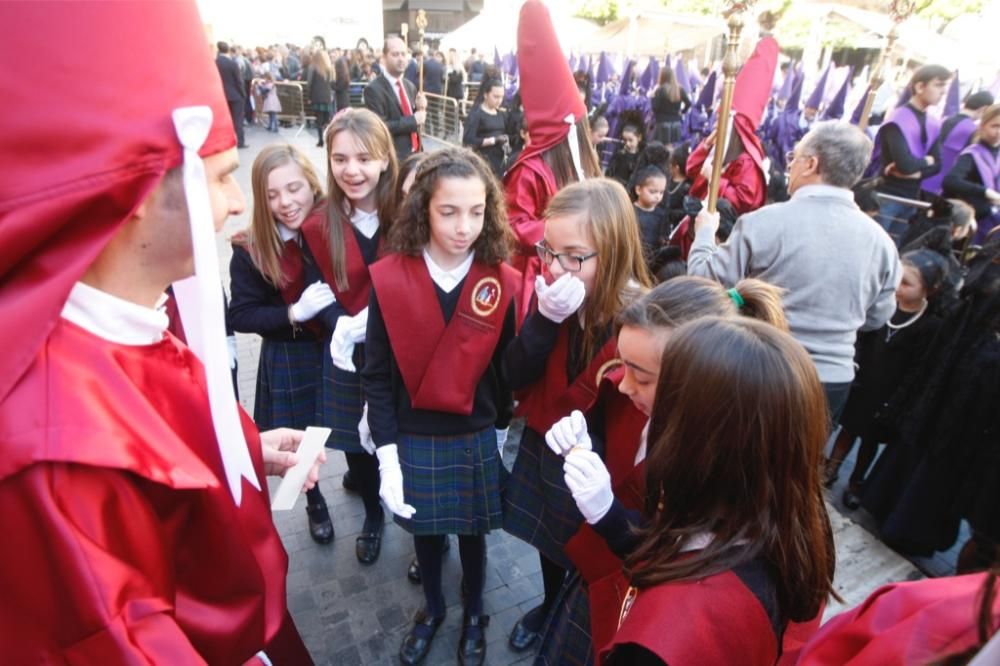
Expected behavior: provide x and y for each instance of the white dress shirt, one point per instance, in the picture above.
(448, 280)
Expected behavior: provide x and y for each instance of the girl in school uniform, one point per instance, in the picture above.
(736, 543)
(407, 174)
(277, 293)
(593, 267)
(586, 615)
(345, 236)
(442, 310)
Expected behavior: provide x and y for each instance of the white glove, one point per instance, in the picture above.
(559, 300)
(359, 327)
(348, 332)
(567, 433)
(231, 346)
(391, 488)
(588, 479)
(314, 298)
(365, 433)
(501, 439)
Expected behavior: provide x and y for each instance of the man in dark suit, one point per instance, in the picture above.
(434, 74)
(395, 100)
(232, 83)
(434, 84)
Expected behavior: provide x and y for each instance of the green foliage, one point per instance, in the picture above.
(943, 12)
(601, 11)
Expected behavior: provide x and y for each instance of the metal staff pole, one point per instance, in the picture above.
(899, 10)
(421, 22)
(730, 66)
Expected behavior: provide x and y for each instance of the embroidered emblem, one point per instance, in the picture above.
(486, 296)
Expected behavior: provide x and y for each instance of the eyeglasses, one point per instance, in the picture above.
(789, 157)
(570, 262)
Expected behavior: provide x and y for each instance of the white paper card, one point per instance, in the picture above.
(295, 477)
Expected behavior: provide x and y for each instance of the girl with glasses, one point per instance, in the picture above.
(592, 267)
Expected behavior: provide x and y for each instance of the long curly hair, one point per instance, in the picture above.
(411, 232)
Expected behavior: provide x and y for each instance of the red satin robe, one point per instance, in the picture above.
(742, 184)
(529, 186)
(919, 622)
(123, 543)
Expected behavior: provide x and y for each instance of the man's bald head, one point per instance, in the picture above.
(394, 55)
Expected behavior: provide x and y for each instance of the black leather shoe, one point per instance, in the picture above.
(527, 630)
(851, 499)
(413, 572)
(350, 485)
(417, 643)
(472, 644)
(320, 525)
(369, 544)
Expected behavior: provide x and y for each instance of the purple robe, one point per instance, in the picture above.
(988, 167)
(905, 118)
(951, 146)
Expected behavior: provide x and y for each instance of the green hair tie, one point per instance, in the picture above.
(737, 299)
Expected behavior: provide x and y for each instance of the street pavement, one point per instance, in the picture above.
(349, 613)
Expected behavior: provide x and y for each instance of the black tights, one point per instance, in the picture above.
(322, 119)
(553, 576)
(472, 550)
(364, 469)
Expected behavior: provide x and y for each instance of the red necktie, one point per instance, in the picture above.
(404, 103)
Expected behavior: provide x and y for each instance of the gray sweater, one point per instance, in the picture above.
(838, 268)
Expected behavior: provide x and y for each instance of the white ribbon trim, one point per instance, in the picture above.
(199, 301)
(573, 139)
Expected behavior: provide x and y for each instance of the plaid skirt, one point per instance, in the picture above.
(452, 482)
(287, 376)
(537, 505)
(341, 401)
(566, 637)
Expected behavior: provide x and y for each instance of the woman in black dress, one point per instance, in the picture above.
(455, 77)
(320, 95)
(341, 84)
(486, 130)
(670, 102)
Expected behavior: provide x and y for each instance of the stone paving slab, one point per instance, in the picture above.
(349, 613)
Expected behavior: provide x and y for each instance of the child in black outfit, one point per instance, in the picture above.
(650, 184)
(886, 357)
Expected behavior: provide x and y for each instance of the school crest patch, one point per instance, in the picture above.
(486, 296)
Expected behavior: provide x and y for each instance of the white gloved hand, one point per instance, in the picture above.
(365, 433)
(568, 433)
(314, 298)
(501, 439)
(588, 480)
(359, 327)
(391, 487)
(559, 300)
(345, 336)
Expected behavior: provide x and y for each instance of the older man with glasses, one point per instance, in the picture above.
(838, 267)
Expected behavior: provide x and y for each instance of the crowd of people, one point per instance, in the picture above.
(678, 368)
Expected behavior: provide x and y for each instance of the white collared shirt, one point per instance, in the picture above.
(448, 280)
(286, 234)
(114, 319)
(366, 223)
